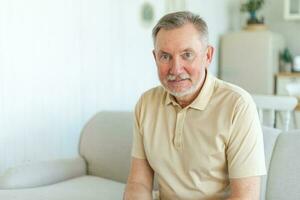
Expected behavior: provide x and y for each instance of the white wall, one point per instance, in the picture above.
(272, 12)
(216, 14)
(61, 61)
(117, 64)
(290, 30)
(40, 105)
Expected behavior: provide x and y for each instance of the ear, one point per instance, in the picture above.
(209, 55)
(154, 55)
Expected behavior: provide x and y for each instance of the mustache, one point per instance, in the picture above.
(179, 77)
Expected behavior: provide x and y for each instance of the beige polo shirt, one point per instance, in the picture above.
(195, 150)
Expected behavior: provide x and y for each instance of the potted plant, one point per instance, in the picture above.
(286, 60)
(252, 6)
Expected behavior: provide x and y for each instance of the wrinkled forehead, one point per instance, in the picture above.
(178, 39)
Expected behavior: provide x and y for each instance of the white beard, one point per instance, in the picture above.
(190, 90)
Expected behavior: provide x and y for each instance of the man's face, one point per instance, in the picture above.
(181, 59)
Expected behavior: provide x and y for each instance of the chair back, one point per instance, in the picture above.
(105, 144)
(283, 175)
(272, 104)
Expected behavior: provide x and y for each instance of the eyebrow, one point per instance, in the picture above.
(188, 49)
(163, 52)
(184, 50)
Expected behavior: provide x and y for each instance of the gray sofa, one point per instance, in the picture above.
(101, 169)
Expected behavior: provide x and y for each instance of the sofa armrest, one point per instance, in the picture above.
(42, 173)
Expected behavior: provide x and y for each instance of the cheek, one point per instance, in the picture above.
(163, 70)
(196, 69)
(192, 70)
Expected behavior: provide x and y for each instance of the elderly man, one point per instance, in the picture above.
(201, 136)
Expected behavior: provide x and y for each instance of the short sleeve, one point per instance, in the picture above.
(245, 150)
(138, 144)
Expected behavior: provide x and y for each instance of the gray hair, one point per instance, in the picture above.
(179, 19)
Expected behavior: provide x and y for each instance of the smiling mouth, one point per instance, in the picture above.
(177, 81)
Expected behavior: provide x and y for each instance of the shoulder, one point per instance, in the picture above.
(153, 93)
(236, 100)
(152, 97)
(231, 93)
(150, 102)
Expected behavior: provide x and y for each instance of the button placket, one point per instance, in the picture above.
(179, 128)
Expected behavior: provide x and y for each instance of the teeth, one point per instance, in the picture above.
(177, 80)
(180, 77)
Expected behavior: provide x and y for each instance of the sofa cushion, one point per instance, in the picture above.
(270, 137)
(36, 174)
(284, 176)
(106, 145)
(81, 188)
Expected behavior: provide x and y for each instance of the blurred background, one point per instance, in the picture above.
(62, 61)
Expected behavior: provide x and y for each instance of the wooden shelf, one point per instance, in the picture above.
(298, 107)
(283, 78)
(288, 74)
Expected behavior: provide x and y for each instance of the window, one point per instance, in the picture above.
(292, 9)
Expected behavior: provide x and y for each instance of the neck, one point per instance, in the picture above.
(189, 98)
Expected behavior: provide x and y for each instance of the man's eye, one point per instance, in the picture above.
(165, 57)
(188, 55)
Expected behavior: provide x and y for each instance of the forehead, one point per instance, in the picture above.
(178, 39)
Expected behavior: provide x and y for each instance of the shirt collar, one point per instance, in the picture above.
(203, 97)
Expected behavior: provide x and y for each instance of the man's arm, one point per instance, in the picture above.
(140, 181)
(245, 188)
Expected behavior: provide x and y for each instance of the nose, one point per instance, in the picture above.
(176, 66)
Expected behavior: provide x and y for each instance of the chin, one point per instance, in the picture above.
(181, 93)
